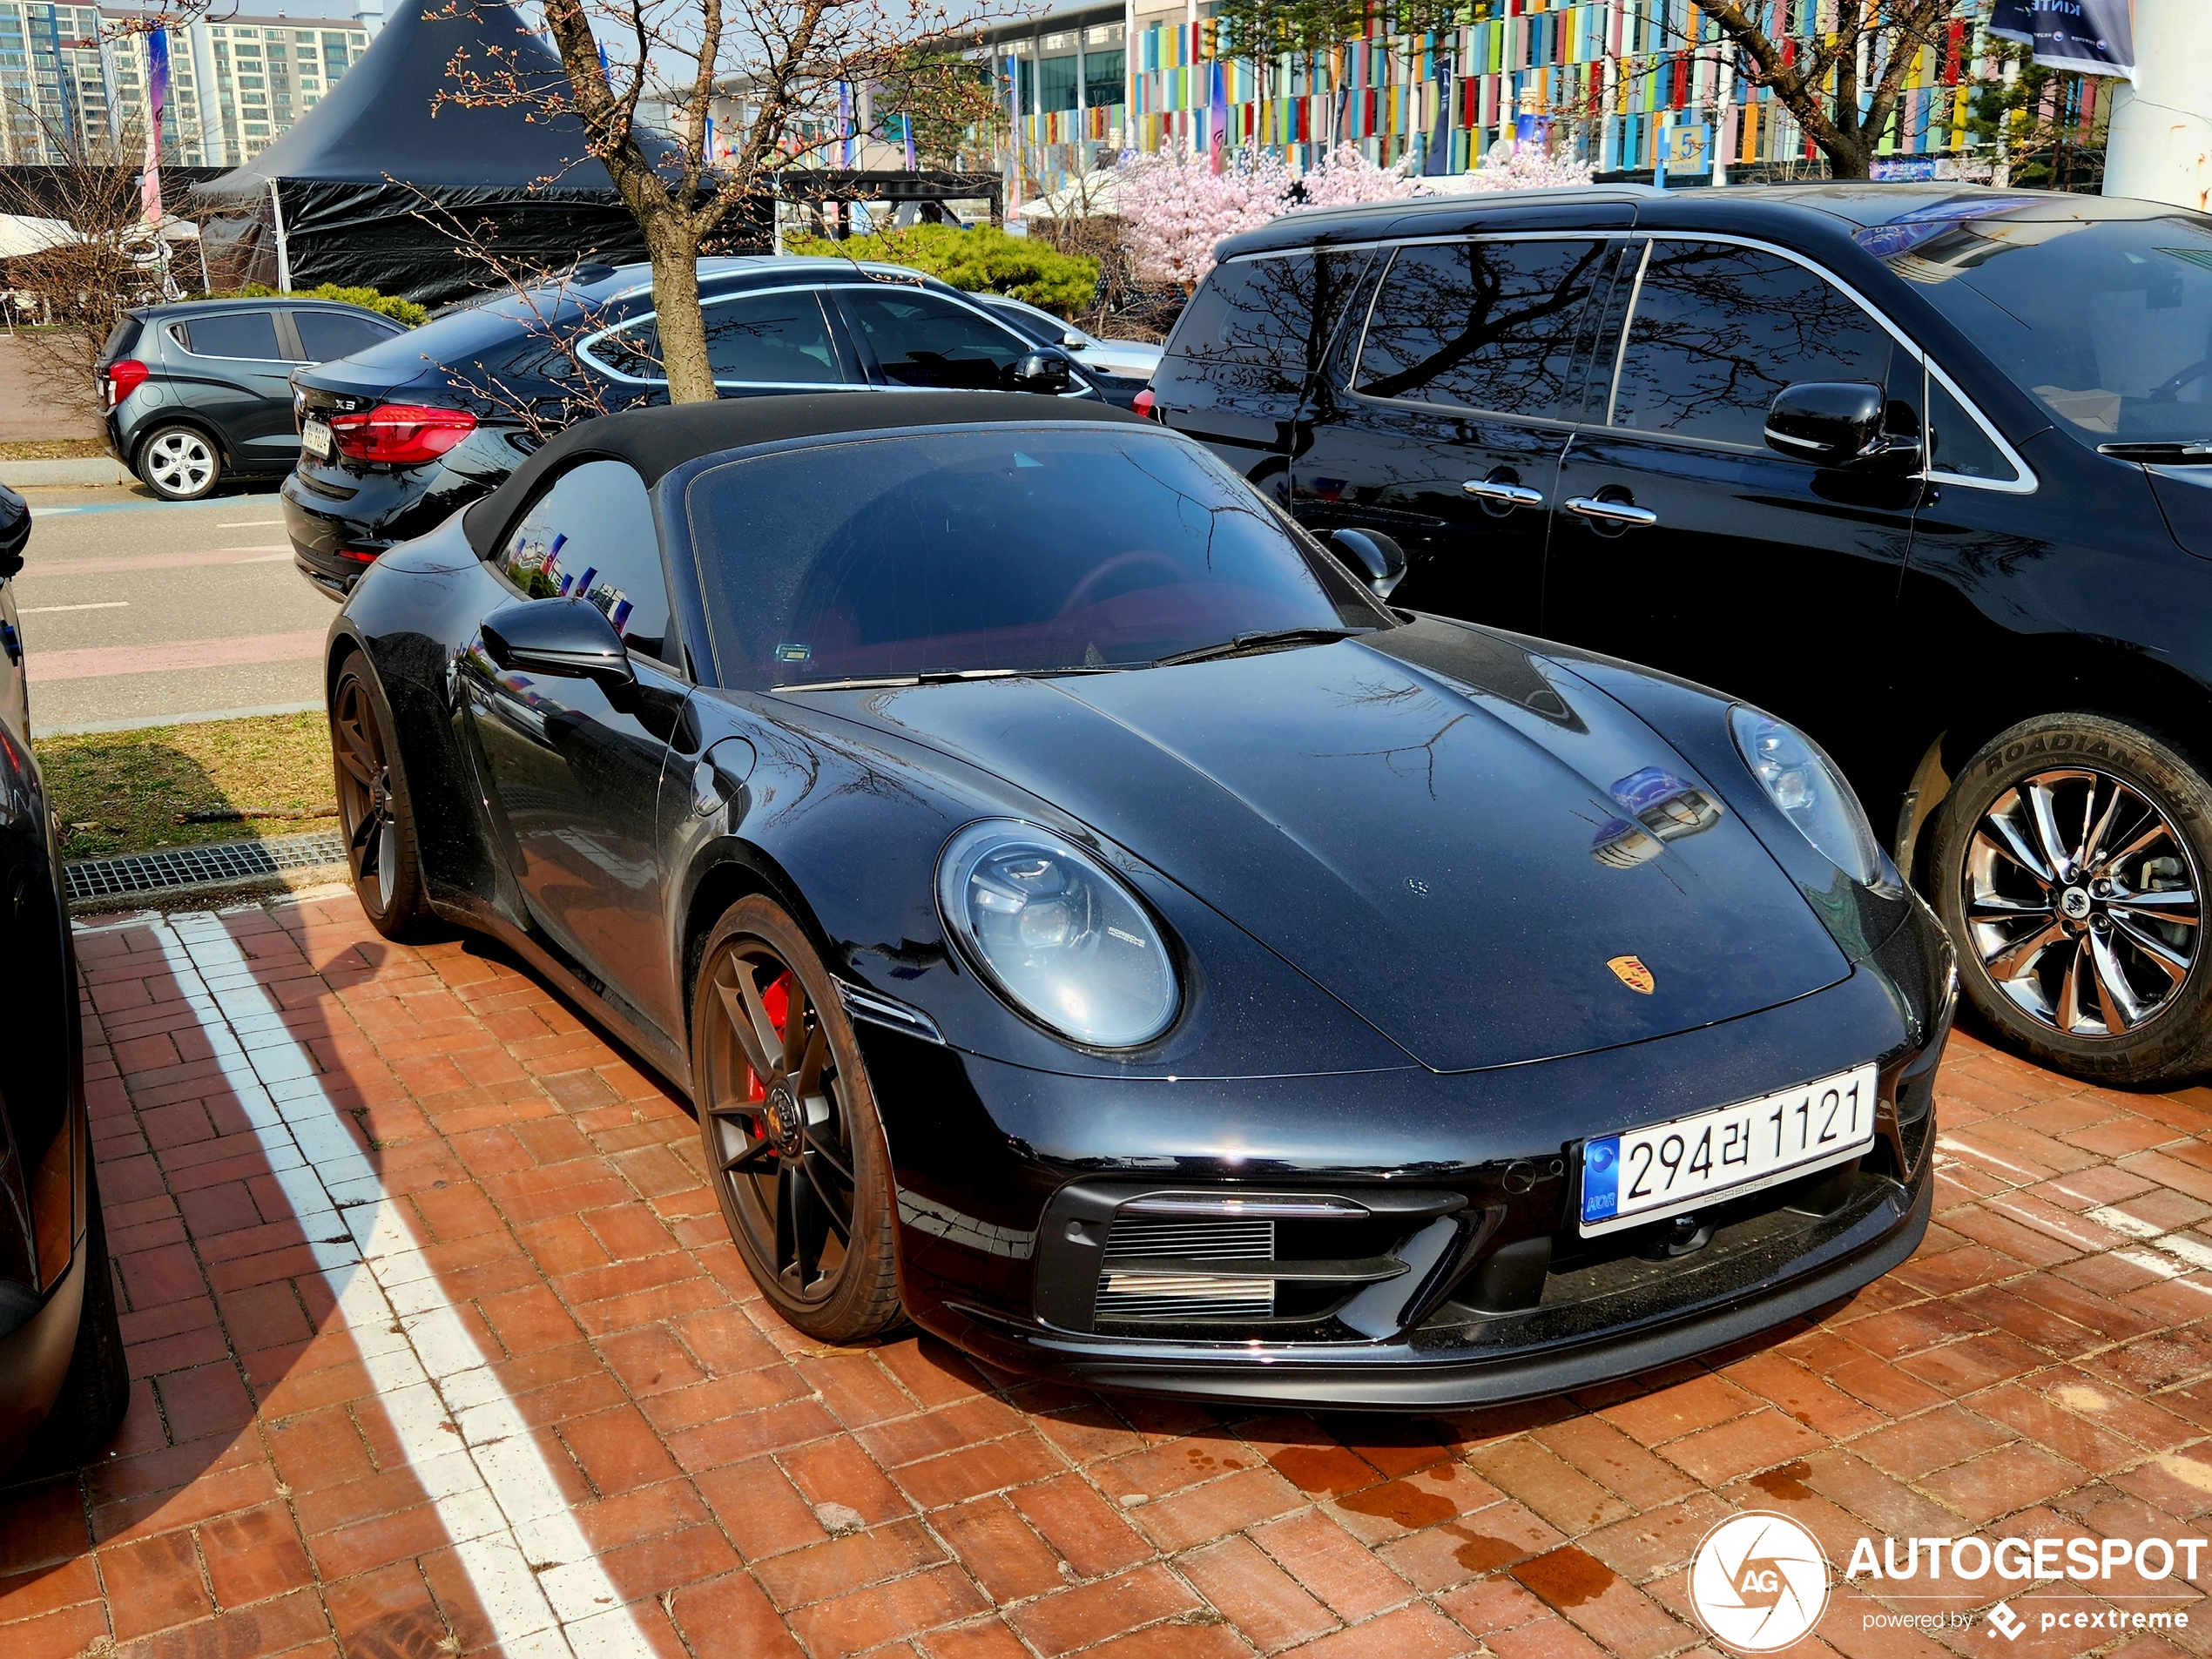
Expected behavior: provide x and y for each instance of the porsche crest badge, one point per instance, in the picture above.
(1631, 972)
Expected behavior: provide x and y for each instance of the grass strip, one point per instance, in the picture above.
(123, 792)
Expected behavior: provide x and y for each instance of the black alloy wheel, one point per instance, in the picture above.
(788, 1124)
(373, 805)
(2068, 866)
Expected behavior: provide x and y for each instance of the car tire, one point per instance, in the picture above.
(788, 1120)
(96, 1390)
(2067, 865)
(375, 811)
(179, 462)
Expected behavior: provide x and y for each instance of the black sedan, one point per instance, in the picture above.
(396, 437)
(63, 1382)
(1087, 918)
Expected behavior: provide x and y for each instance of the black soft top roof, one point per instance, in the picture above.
(658, 441)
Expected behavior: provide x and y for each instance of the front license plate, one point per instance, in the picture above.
(1649, 1174)
(314, 438)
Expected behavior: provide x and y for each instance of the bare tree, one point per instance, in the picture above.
(100, 257)
(1820, 81)
(805, 72)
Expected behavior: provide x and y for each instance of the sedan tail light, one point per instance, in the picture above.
(401, 435)
(1143, 403)
(123, 378)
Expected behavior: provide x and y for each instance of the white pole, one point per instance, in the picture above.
(2161, 144)
(284, 251)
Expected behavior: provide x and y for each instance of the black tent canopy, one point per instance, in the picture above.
(369, 188)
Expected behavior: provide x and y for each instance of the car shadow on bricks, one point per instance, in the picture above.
(441, 1346)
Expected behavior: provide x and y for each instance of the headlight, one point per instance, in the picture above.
(1804, 783)
(1061, 939)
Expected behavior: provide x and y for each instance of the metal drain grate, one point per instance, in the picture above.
(181, 866)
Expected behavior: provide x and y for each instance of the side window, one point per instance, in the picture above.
(633, 352)
(924, 340)
(1482, 325)
(1258, 326)
(328, 335)
(1718, 330)
(777, 338)
(232, 333)
(591, 534)
(1957, 444)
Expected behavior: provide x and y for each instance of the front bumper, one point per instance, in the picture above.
(1463, 1282)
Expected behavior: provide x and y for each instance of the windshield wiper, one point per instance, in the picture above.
(1266, 639)
(2171, 449)
(953, 676)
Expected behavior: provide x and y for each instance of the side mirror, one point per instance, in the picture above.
(1073, 340)
(1830, 422)
(14, 532)
(566, 637)
(1374, 556)
(1045, 370)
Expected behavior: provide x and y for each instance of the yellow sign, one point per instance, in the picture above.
(1632, 972)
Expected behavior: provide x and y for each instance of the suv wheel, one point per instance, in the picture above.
(2068, 866)
(179, 463)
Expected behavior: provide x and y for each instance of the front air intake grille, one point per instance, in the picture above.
(1139, 1282)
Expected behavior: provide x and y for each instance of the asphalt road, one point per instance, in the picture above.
(140, 612)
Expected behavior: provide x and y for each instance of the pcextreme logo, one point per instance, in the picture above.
(1760, 1582)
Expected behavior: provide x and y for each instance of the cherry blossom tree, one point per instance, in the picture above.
(1345, 177)
(1175, 207)
(1511, 166)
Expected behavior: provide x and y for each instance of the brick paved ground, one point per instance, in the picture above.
(2040, 1368)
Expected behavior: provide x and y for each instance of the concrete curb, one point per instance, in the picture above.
(34, 475)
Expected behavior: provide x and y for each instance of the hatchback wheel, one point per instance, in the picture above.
(2069, 865)
(789, 1125)
(373, 807)
(179, 463)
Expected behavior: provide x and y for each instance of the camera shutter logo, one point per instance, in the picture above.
(1759, 1582)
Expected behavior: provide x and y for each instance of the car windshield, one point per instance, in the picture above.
(2102, 314)
(1025, 550)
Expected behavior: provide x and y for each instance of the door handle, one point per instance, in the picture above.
(1511, 495)
(1613, 512)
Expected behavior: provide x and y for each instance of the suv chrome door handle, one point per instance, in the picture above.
(1511, 494)
(1615, 512)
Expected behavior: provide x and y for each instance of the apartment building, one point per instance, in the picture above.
(72, 78)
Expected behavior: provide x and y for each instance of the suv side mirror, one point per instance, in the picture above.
(1045, 370)
(1832, 423)
(566, 637)
(1373, 554)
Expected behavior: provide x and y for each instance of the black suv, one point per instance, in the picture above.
(1925, 470)
(396, 438)
(193, 391)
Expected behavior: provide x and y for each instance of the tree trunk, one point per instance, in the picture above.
(676, 300)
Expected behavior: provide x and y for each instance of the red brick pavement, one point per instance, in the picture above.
(2043, 1367)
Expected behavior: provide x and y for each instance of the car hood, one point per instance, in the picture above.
(1484, 856)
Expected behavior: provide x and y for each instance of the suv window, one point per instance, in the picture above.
(1718, 330)
(1482, 325)
(325, 336)
(924, 340)
(1957, 445)
(757, 339)
(1258, 325)
(591, 534)
(233, 333)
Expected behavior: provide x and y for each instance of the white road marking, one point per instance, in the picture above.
(2179, 1251)
(53, 512)
(532, 1569)
(47, 610)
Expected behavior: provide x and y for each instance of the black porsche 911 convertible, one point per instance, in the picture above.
(1089, 919)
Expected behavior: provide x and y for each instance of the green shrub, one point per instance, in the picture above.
(398, 310)
(985, 260)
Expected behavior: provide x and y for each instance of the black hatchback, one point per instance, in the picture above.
(193, 391)
(396, 438)
(1925, 470)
